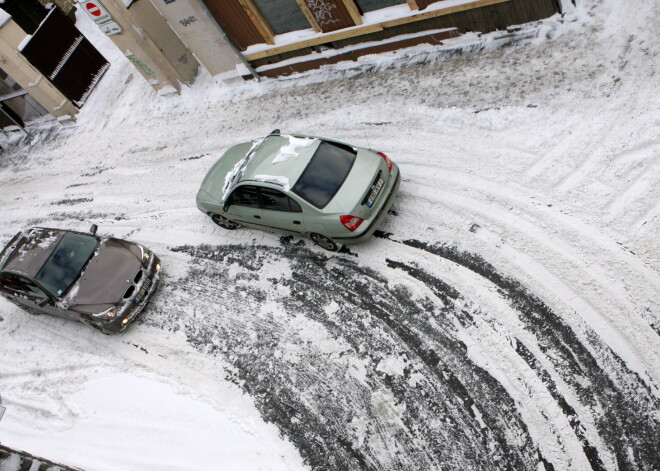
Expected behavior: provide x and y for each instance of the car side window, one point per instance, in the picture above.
(277, 201)
(14, 284)
(245, 196)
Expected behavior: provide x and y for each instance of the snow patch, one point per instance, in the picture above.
(24, 42)
(393, 366)
(234, 176)
(4, 17)
(274, 179)
(289, 149)
(198, 434)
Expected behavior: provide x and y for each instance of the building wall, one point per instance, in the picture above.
(483, 16)
(148, 41)
(194, 24)
(29, 78)
(483, 19)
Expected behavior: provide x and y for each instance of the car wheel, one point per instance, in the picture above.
(323, 241)
(224, 222)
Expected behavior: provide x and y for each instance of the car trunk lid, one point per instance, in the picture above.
(362, 192)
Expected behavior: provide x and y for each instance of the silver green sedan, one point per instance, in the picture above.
(332, 192)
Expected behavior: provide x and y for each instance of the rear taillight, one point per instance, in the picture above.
(351, 222)
(387, 161)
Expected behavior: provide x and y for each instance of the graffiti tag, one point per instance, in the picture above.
(141, 65)
(322, 11)
(187, 21)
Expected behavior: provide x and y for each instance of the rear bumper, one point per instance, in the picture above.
(375, 222)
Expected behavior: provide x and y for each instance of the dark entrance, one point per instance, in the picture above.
(28, 14)
(17, 107)
(62, 54)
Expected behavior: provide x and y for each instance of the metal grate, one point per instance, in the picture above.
(129, 292)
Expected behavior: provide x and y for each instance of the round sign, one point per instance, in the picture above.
(93, 9)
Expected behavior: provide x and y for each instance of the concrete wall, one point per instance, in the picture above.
(151, 44)
(29, 78)
(194, 24)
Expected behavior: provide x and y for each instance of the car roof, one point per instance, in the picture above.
(31, 250)
(280, 159)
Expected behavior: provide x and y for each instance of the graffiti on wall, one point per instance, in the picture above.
(140, 65)
(187, 21)
(322, 11)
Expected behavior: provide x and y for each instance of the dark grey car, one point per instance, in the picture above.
(99, 281)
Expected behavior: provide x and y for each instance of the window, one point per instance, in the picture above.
(17, 284)
(371, 5)
(245, 196)
(276, 201)
(283, 16)
(66, 262)
(325, 173)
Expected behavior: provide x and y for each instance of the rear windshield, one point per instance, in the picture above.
(325, 173)
(65, 263)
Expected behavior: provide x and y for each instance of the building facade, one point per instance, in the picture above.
(283, 36)
(168, 40)
(47, 67)
(236, 39)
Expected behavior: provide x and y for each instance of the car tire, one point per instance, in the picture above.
(323, 241)
(224, 222)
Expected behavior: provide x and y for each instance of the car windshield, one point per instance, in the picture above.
(65, 263)
(325, 173)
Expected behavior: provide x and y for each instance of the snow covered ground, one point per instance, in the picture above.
(506, 316)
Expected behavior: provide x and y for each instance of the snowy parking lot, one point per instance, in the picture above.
(506, 315)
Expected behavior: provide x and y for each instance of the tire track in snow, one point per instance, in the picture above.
(567, 242)
(388, 422)
(612, 388)
(379, 324)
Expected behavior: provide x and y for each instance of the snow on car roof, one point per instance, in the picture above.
(280, 158)
(32, 251)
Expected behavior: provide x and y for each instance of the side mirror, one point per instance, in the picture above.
(275, 131)
(93, 229)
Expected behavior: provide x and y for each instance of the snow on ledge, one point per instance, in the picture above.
(353, 47)
(4, 18)
(25, 42)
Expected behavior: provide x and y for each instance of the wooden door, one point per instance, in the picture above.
(235, 22)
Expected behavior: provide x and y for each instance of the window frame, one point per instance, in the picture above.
(289, 199)
(27, 282)
(230, 200)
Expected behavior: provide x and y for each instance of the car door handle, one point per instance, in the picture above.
(296, 222)
(257, 217)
